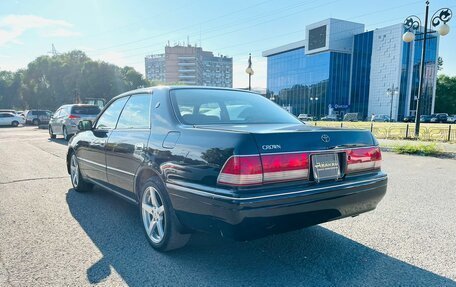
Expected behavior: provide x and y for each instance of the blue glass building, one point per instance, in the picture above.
(340, 68)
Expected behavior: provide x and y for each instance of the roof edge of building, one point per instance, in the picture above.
(284, 48)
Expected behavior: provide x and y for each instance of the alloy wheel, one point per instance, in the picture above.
(74, 171)
(153, 214)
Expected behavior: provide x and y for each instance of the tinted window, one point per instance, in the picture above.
(136, 114)
(109, 117)
(85, 110)
(317, 38)
(207, 106)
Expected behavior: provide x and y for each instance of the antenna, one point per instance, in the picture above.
(53, 51)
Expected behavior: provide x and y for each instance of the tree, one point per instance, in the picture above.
(445, 99)
(49, 82)
(439, 64)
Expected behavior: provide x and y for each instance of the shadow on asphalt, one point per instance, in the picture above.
(313, 256)
(59, 141)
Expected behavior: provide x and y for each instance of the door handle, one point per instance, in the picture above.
(99, 143)
(140, 146)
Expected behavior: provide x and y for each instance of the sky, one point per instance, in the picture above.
(123, 32)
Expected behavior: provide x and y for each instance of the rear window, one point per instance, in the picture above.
(211, 106)
(85, 110)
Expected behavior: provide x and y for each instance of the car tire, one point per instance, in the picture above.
(66, 136)
(51, 133)
(36, 122)
(78, 182)
(15, 123)
(160, 223)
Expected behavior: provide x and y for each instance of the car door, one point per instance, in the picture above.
(91, 153)
(3, 119)
(126, 147)
(53, 122)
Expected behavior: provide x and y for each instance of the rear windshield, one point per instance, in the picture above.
(85, 110)
(211, 106)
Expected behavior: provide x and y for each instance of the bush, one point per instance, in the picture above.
(419, 149)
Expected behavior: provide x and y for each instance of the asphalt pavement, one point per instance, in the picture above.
(51, 235)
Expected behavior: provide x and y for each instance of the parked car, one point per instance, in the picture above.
(243, 174)
(332, 118)
(7, 111)
(425, 118)
(305, 117)
(452, 119)
(65, 120)
(380, 118)
(37, 117)
(11, 119)
(351, 117)
(408, 119)
(439, 118)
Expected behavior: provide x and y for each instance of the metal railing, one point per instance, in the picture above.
(428, 132)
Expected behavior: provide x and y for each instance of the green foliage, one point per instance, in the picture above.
(49, 82)
(445, 99)
(419, 149)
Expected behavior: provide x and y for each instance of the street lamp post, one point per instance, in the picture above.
(412, 24)
(393, 91)
(312, 99)
(249, 71)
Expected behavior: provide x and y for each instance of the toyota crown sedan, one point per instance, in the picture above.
(224, 161)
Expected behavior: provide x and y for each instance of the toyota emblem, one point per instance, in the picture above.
(325, 138)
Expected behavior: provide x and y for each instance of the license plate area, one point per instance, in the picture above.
(326, 166)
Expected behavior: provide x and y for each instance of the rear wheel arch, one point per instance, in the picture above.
(142, 176)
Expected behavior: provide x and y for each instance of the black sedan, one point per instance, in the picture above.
(225, 161)
(426, 118)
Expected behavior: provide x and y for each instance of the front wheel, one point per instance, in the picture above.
(79, 184)
(15, 123)
(51, 133)
(66, 136)
(159, 221)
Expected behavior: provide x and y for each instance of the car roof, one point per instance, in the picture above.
(150, 90)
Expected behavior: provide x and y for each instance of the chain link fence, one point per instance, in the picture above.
(428, 132)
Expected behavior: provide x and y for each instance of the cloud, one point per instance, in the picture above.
(61, 32)
(12, 27)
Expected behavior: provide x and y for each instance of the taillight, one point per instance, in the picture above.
(242, 170)
(284, 167)
(73, 117)
(252, 170)
(363, 159)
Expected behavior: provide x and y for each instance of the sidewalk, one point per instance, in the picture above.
(449, 149)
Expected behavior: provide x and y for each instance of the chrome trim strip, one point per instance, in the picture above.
(106, 166)
(92, 162)
(319, 151)
(213, 195)
(121, 171)
(304, 151)
(113, 191)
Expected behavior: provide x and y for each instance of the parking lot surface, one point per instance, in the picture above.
(52, 235)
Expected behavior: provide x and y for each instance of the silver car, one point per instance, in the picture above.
(11, 119)
(65, 120)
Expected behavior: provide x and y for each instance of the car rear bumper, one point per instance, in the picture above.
(245, 218)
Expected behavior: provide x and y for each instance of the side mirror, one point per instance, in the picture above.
(85, 125)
